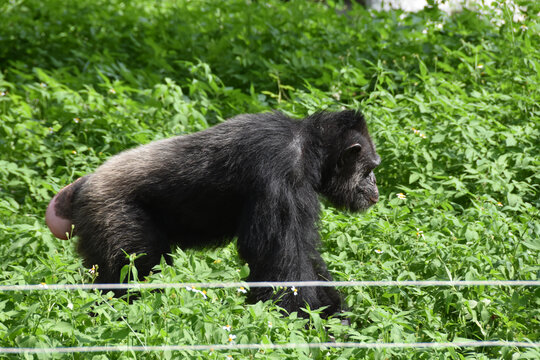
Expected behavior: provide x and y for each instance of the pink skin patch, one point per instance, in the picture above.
(59, 226)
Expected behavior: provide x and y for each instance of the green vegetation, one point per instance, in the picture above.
(453, 105)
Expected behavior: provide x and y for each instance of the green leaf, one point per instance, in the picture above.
(244, 271)
(471, 235)
(413, 177)
(511, 140)
(62, 327)
(438, 138)
(513, 199)
(534, 244)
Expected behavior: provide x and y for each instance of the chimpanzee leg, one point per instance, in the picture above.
(128, 231)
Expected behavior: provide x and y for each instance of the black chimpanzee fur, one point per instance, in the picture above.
(255, 177)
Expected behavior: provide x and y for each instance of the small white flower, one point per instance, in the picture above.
(424, 31)
(112, 91)
(193, 289)
(419, 133)
(70, 306)
(242, 290)
(518, 16)
(379, 251)
(270, 324)
(401, 196)
(480, 66)
(294, 290)
(226, 327)
(2, 93)
(92, 271)
(76, 120)
(231, 338)
(43, 85)
(420, 233)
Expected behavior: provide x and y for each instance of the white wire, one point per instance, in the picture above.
(44, 286)
(121, 348)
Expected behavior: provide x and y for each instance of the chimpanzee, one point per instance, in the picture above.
(255, 177)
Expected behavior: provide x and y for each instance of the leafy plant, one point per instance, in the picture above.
(452, 101)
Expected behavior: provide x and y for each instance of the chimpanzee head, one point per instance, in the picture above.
(347, 172)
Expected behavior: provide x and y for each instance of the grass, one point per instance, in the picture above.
(453, 105)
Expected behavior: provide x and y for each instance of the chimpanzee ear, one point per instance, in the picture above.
(354, 148)
(350, 153)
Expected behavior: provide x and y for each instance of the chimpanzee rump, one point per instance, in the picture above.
(255, 177)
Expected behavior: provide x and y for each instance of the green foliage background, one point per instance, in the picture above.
(453, 105)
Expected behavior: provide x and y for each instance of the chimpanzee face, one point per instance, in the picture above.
(351, 184)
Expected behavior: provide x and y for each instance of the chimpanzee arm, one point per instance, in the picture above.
(278, 239)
